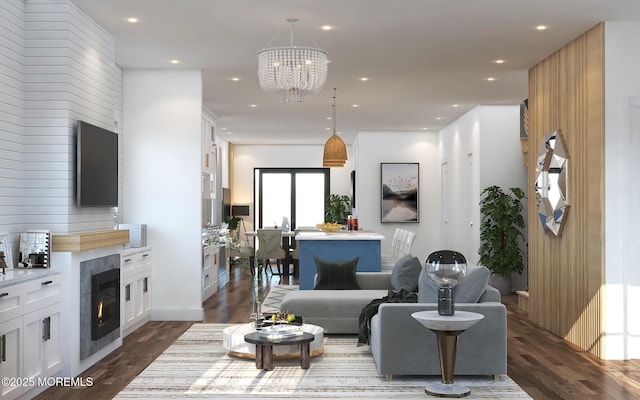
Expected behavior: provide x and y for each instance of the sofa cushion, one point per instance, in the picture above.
(468, 290)
(336, 275)
(405, 273)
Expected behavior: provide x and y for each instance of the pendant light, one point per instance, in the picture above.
(335, 151)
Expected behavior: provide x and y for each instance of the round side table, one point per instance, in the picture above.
(447, 330)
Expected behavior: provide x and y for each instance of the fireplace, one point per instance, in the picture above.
(100, 309)
(105, 298)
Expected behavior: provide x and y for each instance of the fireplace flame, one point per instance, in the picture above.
(100, 311)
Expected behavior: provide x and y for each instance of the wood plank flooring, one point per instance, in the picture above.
(545, 366)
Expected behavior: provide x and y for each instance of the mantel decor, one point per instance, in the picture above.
(399, 191)
(551, 182)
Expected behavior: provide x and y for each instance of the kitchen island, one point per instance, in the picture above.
(337, 246)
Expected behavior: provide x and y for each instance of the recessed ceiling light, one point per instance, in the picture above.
(253, 105)
(235, 79)
(132, 20)
(327, 27)
(438, 118)
(364, 79)
(541, 27)
(499, 61)
(329, 118)
(491, 79)
(355, 105)
(327, 129)
(455, 105)
(174, 61)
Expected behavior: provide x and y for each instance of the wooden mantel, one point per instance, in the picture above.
(89, 240)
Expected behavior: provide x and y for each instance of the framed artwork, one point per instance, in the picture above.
(399, 190)
(6, 247)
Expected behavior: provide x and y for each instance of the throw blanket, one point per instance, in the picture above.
(371, 309)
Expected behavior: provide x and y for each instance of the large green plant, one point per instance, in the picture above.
(338, 208)
(501, 230)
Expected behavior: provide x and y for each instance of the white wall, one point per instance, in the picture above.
(58, 66)
(162, 110)
(622, 170)
(248, 157)
(482, 148)
(373, 148)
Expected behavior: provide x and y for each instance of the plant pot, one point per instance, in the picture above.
(501, 282)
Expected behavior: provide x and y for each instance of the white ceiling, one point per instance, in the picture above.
(422, 57)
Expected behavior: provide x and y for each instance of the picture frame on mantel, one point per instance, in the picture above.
(5, 246)
(399, 189)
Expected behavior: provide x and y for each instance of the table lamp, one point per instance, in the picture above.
(445, 268)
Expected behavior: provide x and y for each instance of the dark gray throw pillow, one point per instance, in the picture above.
(336, 275)
(405, 273)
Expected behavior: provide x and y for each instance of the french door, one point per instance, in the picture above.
(298, 194)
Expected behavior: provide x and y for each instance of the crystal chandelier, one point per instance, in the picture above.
(335, 151)
(292, 71)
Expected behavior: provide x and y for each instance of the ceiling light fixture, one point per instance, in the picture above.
(335, 151)
(292, 71)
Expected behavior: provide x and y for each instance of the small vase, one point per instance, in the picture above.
(286, 227)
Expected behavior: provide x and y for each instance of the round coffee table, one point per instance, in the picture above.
(233, 340)
(264, 348)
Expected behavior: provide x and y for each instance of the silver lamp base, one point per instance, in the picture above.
(453, 390)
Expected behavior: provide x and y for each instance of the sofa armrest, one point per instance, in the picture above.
(374, 280)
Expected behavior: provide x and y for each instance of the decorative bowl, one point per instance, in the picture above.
(329, 227)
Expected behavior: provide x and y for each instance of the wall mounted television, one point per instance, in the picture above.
(96, 166)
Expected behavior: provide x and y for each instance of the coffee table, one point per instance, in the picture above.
(447, 328)
(233, 340)
(264, 348)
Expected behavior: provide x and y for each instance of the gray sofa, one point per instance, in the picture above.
(399, 344)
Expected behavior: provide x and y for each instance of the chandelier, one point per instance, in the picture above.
(292, 71)
(335, 151)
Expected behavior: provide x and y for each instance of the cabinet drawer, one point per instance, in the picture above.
(42, 292)
(130, 263)
(11, 302)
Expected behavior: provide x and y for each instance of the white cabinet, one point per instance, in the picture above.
(210, 270)
(135, 289)
(11, 358)
(30, 342)
(209, 150)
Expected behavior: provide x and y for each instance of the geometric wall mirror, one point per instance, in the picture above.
(551, 182)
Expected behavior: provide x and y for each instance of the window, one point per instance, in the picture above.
(299, 194)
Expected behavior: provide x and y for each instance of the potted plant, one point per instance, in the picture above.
(338, 208)
(500, 234)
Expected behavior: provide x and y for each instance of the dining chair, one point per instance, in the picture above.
(270, 248)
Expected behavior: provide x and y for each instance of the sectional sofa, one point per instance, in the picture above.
(399, 344)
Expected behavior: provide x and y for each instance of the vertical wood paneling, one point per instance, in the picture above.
(566, 274)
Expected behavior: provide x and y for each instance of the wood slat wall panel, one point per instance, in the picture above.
(566, 274)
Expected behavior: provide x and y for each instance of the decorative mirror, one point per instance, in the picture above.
(551, 182)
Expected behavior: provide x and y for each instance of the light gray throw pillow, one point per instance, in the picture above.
(468, 290)
(405, 273)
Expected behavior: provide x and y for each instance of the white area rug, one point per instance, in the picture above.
(271, 303)
(197, 366)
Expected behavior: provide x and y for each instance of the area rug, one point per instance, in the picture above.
(271, 303)
(197, 366)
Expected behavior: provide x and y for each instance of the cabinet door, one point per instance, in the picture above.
(138, 295)
(146, 294)
(128, 303)
(33, 345)
(11, 356)
(52, 338)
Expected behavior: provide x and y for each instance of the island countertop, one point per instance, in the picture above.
(339, 235)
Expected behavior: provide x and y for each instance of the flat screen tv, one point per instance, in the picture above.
(96, 166)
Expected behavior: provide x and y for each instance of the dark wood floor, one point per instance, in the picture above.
(545, 366)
